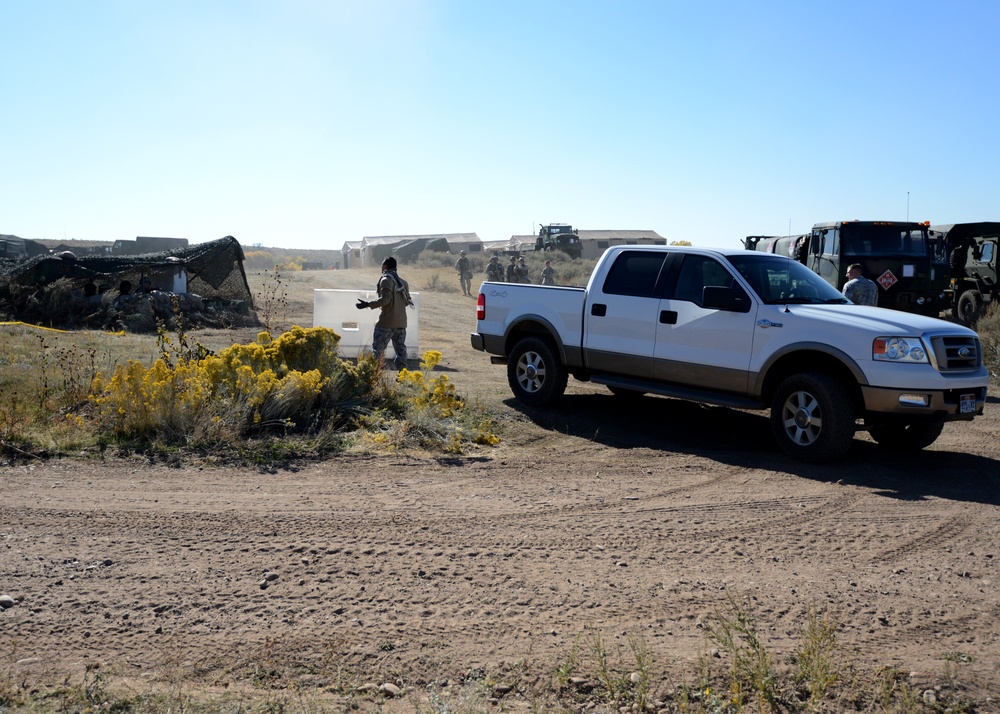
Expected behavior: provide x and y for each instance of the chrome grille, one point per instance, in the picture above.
(956, 352)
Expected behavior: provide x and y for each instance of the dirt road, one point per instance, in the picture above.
(594, 517)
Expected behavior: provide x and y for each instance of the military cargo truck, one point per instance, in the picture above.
(972, 258)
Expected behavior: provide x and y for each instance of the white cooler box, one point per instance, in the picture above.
(336, 309)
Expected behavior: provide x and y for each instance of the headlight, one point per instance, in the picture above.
(899, 349)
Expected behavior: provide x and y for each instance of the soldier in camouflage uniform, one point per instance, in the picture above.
(393, 299)
(859, 289)
(512, 270)
(522, 272)
(494, 271)
(548, 274)
(464, 269)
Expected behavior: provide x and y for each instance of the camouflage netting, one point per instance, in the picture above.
(51, 290)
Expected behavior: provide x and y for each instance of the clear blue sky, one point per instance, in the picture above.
(305, 123)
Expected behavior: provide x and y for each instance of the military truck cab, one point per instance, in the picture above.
(560, 236)
(909, 268)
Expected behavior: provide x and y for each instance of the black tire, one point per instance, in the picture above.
(969, 306)
(956, 260)
(812, 417)
(906, 437)
(534, 372)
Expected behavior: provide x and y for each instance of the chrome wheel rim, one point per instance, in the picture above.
(530, 372)
(802, 418)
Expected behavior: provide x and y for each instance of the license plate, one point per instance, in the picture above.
(967, 404)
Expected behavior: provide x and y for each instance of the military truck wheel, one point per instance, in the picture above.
(534, 373)
(969, 306)
(812, 417)
(906, 437)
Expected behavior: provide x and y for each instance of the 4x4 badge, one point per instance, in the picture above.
(764, 324)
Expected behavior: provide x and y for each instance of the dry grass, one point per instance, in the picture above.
(736, 673)
(988, 328)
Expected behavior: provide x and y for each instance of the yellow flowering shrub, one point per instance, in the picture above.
(269, 382)
(436, 413)
(293, 382)
(438, 395)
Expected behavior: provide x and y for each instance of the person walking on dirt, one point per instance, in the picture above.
(464, 273)
(859, 289)
(494, 271)
(393, 299)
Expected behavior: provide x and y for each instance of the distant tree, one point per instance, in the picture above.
(259, 260)
(680, 242)
(292, 264)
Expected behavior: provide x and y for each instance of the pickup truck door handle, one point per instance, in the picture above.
(668, 317)
(599, 309)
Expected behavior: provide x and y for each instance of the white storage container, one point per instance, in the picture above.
(336, 309)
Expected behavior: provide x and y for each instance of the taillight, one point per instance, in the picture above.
(481, 307)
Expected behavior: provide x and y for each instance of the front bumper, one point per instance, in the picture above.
(947, 404)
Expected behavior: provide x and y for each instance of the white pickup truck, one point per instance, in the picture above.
(741, 329)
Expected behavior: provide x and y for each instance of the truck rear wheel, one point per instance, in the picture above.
(812, 417)
(534, 372)
(970, 304)
(906, 437)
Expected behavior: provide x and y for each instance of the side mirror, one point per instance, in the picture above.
(731, 299)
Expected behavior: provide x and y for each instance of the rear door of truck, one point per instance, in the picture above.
(622, 310)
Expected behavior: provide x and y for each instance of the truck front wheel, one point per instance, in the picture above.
(812, 417)
(534, 372)
(906, 437)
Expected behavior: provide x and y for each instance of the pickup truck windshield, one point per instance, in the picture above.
(778, 280)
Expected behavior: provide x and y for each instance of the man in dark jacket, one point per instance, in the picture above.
(393, 299)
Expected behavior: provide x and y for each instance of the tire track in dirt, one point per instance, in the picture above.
(927, 537)
(470, 561)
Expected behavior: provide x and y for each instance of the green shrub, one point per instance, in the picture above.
(436, 259)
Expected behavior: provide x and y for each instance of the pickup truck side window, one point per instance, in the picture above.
(698, 272)
(634, 273)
